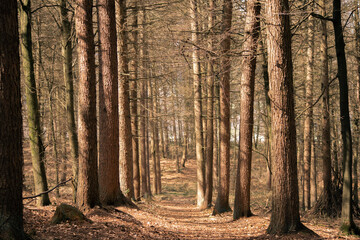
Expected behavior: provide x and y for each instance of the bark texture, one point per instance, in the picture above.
(108, 111)
(11, 157)
(66, 50)
(285, 196)
(252, 29)
(222, 201)
(200, 161)
(126, 158)
(88, 187)
(33, 115)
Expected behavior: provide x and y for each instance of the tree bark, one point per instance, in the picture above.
(133, 69)
(325, 123)
(348, 224)
(36, 144)
(252, 29)
(88, 186)
(200, 161)
(285, 196)
(210, 108)
(109, 185)
(66, 50)
(125, 154)
(11, 155)
(308, 122)
(222, 201)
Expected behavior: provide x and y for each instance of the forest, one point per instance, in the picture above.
(179, 119)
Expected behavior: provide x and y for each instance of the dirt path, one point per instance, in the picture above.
(171, 215)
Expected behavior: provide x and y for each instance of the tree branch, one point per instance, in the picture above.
(52, 189)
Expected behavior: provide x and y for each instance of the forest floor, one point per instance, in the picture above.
(170, 215)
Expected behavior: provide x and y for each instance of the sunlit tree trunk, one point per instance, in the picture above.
(11, 155)
(222, 201)
(88, 186)
(36, 144)
(308, 122)
(197, 106)
(243, 178)
(125, 154)
(285, 215)
(109, 185)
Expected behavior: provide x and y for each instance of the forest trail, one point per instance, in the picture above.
(170, 215)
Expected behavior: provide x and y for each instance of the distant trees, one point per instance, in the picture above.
(11, 156)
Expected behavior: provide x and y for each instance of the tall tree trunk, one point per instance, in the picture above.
(285, 215)
(11, 155)
(325, 123)
(200, 161)
(142, 115)
(222, 201)
(156, 140)
(268, 109)
(348, 224)
(176, 137)
(109, 185)
(126, 158)
(88, 186)
(210, 108)
(313, 173)
(66, 49)
(36, 144)
(357, 41)
(133, 69)
(252, 29)
(308, 122)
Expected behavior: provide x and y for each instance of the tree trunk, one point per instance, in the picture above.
(210, 109)
(125, 154)
(66, 49)
(308, 122)
(252, 29)
(357, 41)
(88, 187)
(109, 185)
(348, 224)
(313, 174)
(325, 123)
(222, 201)
(142, 121)
(285, 196)
(200, 161)
(11, 155)
(36, 144)
(133, 70)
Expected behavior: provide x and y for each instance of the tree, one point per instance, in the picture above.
(66, 49)
(285, 215)
(222, 200)
(88, 187)
(210, 109)
(133, 71)
(348, 225)
(109, 185)
(308, 122)
(200, 161)
(252, 29)
(11, 157)
(126, 158)
(36, 143)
